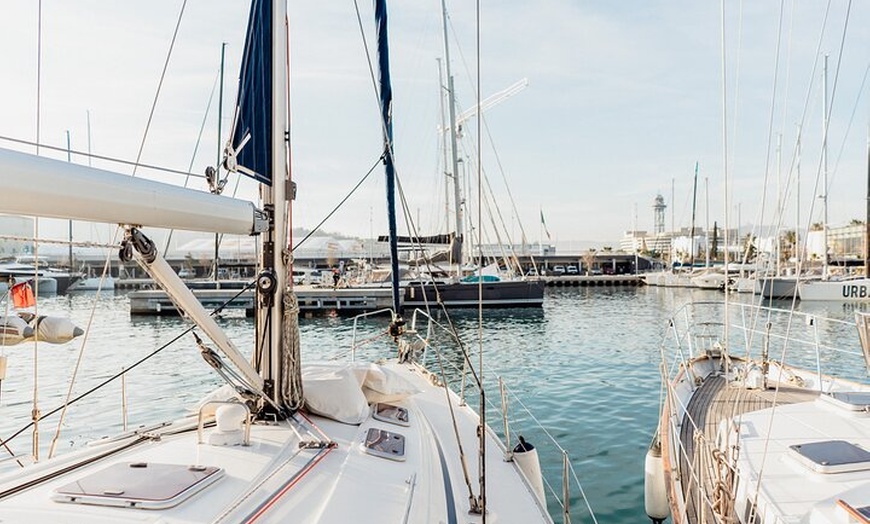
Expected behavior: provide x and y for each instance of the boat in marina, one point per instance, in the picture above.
(509, 293)
(763, 414)
(744, 437)
(282, 441)
(459, 288)
(16, 273)
(845, 289)
(854, 289)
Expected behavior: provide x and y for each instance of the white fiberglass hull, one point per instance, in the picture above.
(274, 479)
(751, 440)
(849, 290)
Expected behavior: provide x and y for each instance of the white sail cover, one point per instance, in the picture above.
(44, 187)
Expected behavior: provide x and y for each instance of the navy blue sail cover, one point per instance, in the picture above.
(254, 103)
(386, 92)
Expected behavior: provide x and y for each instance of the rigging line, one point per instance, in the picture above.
(369, 61)
(511, 260)
(737, 95)
(482, 399)
(821, 169)
(501, 170)
(725, 168)
(766, 178)
(834, 91)
(98, 386)
(451, 326)
(102, 157)
(801, 125)
(779, 219)
(126, 370)
(38, 71)
(52, 241)
(398, 183)
(159, 87)
(195, 151)
(341, 203)
(851, 119)
(80, 357)
(34, 414)
(462, 457)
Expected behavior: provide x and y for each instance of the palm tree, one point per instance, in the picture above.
(788, 245)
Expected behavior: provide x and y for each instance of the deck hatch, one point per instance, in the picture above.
(385, 444)
(139, 485)
(832, 456)
(391, 414)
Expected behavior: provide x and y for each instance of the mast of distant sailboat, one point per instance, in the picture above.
(456, 249)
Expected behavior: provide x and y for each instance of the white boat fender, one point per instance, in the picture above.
(55, 330)
(655, 497)
(526, 457)
(13, 330)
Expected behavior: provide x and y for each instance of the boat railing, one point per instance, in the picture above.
(522, 421)
(437, 352)
(515, 416)
(803, 339)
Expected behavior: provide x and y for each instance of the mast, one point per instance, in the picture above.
(386, 92)
(825, 169)
(707, 222)
(69, 159)
(867, 216)
(443, 143)
(797, 205)
(694, 204)
(454, 153)
(280, 175)
(217, 175)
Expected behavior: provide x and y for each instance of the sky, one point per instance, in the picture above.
(623, 99)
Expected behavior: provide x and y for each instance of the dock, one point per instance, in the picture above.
(592, 280)
(312, 300)
(145, 299)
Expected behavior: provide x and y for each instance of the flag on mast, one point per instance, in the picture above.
(544, 224)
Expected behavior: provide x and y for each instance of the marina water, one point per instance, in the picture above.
(586, 365)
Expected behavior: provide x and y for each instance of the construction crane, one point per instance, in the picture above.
(489, 102)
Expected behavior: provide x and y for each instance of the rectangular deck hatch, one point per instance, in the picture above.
(831, 456)
(391, 414)
(385, 444)
(144, 485)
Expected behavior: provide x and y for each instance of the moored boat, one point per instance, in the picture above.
(746, 438)
(355, 441)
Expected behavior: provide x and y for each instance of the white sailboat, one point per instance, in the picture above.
(352, 442)
(467, 287)
(763, 417)
(744, 438)
(854, 289)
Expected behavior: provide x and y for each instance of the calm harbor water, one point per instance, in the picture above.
(586, 365)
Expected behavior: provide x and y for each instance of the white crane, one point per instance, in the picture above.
(489, 102)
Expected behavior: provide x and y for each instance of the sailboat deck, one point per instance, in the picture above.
(715, 401)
